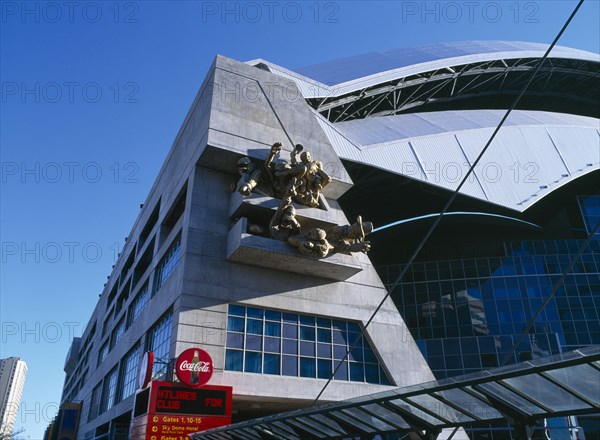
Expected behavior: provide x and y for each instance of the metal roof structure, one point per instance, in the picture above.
(566, 384)
(425, 113)
(533, 154)
(457, 75)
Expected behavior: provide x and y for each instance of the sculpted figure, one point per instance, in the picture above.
(284, 224)
(313, 243)
(351, 238)
(310, 176)
(249, 177)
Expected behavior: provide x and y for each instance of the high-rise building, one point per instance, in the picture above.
(12, 379)
(396, 131)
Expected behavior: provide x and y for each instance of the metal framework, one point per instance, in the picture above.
(560, 385)
(560, 83)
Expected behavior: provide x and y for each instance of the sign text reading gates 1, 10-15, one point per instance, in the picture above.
(183, 400)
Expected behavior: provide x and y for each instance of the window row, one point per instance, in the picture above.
(291, 344)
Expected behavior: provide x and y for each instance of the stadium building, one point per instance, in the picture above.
(396, 131)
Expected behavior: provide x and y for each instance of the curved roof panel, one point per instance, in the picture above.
(350, 74)
(533, 154)
(350, 68)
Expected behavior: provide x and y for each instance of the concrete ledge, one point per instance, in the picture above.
(273, 254)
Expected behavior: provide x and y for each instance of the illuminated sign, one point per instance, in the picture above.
(194, 367)
(173, 411)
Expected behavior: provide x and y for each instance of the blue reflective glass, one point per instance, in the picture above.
(235, 340)
(290, 331)
(235, 324)
(253, 342)
(357, 372)
(340, 337)
(342, 372)
(307, 367)
(371, 373)
(307, 320)
(272, 345)
(323, 335)
(289, 365)
(290, 317)
(323, 322)
(253, 362)
(233, 360)
(324, 368)
(356, 355)
(307, 348)
(254, 313)
(307, 333)
(254, 326)
(272, 329)
(271, 364)
(272, 315)
(324, 351)
(339, 351)
(290, 346)
(237, 310)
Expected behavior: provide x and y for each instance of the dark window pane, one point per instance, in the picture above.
(253, 342)
(357, 373)
(307, 320)
(237, 310)
(235, 340)
(307, 333)
(323, 335)
(289, 365)
(290, 331)
(254, 326)
(272, 329)
(356, 355)
(324, 351)
(342, 371)
(340, 337)
(254, 313)
(339, 352)
(235, 324)
(324, 369)
(307, 367)
(307, 348)
(322, 322)
(271, 364)
(290, 346)
(272, 345)
(272, 315)
(372, 373)
(233, 360)
(290, 317)
(253, 362)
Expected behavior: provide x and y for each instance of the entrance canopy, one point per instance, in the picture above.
(560, 385)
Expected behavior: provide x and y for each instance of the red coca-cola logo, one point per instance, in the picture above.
(194, 367)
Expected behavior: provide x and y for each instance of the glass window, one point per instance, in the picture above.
(108, 391)
(102, 353)
(299, 345)
(95, 402)
(117, 333)
(128, 373)
(158, 340)
(138, 304)
(168, 263)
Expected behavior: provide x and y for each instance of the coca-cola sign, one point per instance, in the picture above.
(194, 367)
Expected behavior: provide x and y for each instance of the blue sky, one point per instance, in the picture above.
(93, 94)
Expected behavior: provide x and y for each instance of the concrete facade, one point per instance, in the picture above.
(239, 110)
